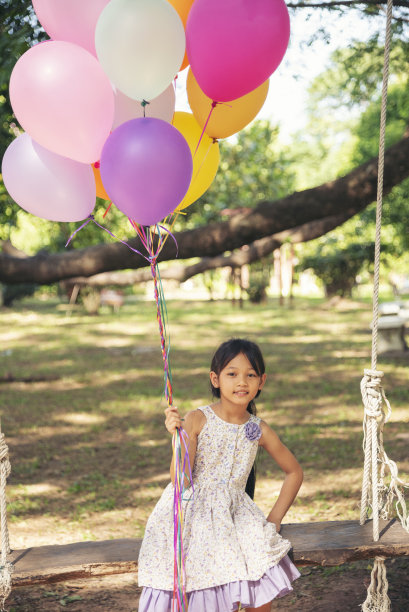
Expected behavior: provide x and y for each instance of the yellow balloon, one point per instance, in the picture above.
(101, 193)
(227, 118)
(206, 158)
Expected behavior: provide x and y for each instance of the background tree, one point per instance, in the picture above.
(310, 210)
(349, 248)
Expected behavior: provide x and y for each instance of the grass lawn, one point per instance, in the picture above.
(83, 414)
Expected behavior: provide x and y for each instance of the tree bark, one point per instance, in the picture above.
(246, 255)
(343, 197)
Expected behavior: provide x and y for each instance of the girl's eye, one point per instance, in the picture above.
(231, 374)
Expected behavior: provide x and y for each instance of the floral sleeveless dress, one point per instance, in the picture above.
(233, 555)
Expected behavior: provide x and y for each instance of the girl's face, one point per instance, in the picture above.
(238, 382)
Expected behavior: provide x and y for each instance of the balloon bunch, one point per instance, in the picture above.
(97, 101)
(97, 104)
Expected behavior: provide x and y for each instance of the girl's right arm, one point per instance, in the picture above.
(192, 424)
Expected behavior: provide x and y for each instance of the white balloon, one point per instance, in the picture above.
(140, 45)
(161, 107)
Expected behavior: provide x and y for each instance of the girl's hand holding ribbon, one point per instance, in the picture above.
(173, 420)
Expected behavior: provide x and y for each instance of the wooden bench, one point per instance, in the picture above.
(391, 333)
(327, 544)
(389, 308)
(110, 297)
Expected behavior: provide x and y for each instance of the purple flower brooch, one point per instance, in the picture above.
(252, 431)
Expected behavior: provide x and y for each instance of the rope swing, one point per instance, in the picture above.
(6, 568)
(375, 493)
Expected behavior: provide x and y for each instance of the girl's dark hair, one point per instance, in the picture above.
(222, 357)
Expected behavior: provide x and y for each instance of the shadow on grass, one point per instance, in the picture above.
(96, 436)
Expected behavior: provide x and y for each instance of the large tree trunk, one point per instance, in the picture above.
(344, 196)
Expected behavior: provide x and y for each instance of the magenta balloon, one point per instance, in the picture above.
(47, 185)
(63, 99)
(71, 20)
(233, 46)
(146, 169)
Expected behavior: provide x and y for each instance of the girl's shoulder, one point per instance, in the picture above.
(195, 421)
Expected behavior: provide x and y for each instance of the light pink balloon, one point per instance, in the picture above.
(70, 20)
(63, 99)
(161, 107)
(48, 185)
(233, 46)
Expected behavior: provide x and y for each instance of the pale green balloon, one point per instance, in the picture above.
(140, 45)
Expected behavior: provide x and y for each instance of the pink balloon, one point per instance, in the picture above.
(63, 99)
(235, 45)
(161, 107)
(146, 168)
(48, 185)
(71, 20)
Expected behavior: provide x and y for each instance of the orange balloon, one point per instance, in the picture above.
(182, 7)
(227, 118)
(101, 193)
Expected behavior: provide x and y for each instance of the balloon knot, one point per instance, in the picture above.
(144, 103)
(97, 164)
(214, 103)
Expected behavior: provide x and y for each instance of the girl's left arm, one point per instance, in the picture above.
(293, 473)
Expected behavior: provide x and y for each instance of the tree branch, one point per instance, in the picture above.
(246, 255)
(350, 3)
(344, 196)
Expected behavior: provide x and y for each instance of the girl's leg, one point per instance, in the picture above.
(265, 608)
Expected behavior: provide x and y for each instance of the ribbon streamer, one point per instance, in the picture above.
(153, 240)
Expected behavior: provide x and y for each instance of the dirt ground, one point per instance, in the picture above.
(340, 589)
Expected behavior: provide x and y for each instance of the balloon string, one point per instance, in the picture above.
(107, 210)
(203, 160)
(90, 218)
(180, 438)
(144, 104)
(169, 232)
(214, 104)
(148, 237)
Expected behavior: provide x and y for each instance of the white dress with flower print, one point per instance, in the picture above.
(226, 536)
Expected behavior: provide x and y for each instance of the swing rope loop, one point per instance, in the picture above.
(374, 491)
(379, 196)
(6, 568)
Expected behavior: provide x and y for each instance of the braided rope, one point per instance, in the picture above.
(379, 197)
(374, 490)
(377, 599)
(6, 568)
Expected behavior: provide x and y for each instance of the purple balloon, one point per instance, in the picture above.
(146, 169)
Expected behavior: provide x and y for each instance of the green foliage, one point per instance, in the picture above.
(259, 281)
(337, 268)
(354, 81)
(255, 166)
(19, 29)
(11, 293)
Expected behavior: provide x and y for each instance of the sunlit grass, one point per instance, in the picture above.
(89, 450)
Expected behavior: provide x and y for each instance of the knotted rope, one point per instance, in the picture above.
(375, 492)
(377, 599)
(6, 568)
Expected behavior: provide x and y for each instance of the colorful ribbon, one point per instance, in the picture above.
(153, 239)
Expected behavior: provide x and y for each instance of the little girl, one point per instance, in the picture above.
(234, 556)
